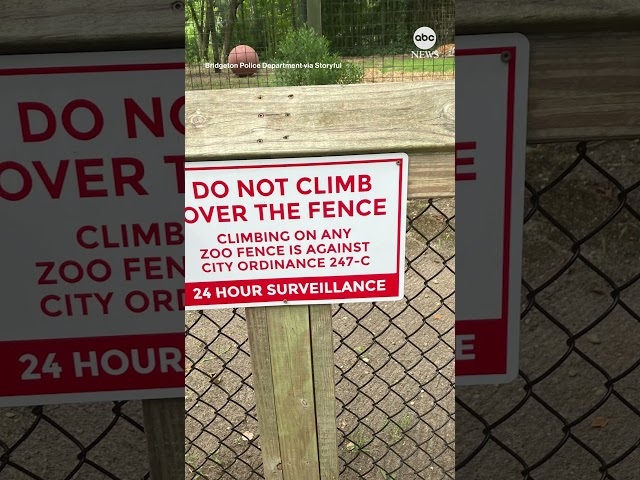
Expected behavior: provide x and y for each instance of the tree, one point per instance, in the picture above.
(232, 17)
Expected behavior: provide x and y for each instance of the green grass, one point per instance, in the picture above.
(432, 65)
(406, 63)
(358, 441)
(388, 476)
(399, 427)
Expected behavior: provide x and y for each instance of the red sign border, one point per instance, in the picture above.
(494, 360)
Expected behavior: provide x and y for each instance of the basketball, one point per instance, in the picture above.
(243, 60)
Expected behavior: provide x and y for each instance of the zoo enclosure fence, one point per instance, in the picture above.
(394, 374)
(574, 410)
(375, 35)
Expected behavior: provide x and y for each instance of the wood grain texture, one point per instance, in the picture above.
(164, 430)
(289, 342)
(431, 175)
(324, 389)
(44, 26)
(264, 391)
(545, 16)
(320, 120)
(417, 118)
(584, 86)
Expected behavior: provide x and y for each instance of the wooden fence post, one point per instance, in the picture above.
(292, 360)
(164, 429)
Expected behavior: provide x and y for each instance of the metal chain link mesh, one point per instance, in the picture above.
(394, 374)
(93, 441)
(376, 36)
(574, 411)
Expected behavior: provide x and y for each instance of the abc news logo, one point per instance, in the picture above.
(424, 38)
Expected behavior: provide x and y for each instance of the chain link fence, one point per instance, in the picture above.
(374, 37)
(394, 371)
(92, 441)
(574, 411)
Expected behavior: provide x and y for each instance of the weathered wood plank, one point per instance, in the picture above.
(227, 125)
(264, 391)
(529, 16)
(289, 342)
(164, 430)
(431, 175)
(320, 120)
(324, 388)
(584, 86)
(40, 26)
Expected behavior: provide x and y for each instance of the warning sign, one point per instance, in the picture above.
(491, 127)
(295, 231)
(91, 188)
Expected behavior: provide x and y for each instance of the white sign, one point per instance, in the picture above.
(295, 231)
(491, 127)
(91, 188)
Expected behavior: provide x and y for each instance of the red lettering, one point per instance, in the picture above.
(27, 183)
(98, 120)
(25, 126)
(48, 267)
(176, 116)
(120, 179)
(132, 111)
(53, 187)
(85, 178)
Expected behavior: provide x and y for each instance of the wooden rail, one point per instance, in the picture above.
(546, 16)
(417, 118)
(37, 26)
(584, 66)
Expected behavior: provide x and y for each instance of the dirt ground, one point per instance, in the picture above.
(394, 374)
(568, 405)
(48, 444)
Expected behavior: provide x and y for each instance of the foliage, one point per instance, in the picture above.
(191, 45)
(305, 47)
(352, 27)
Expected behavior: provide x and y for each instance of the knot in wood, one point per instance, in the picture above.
(197, 119)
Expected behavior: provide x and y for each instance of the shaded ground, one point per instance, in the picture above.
(394, 374)
(576, 408)
(91, 441)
